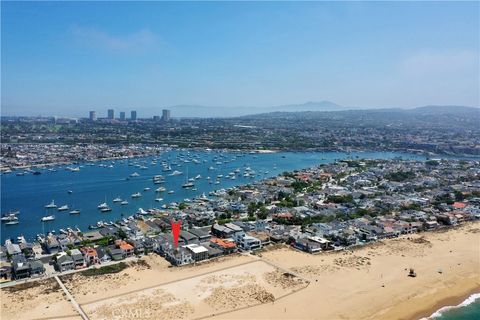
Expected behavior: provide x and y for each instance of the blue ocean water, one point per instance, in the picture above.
(94, 184)
(466, 311)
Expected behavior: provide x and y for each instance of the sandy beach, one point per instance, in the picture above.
(370, 282)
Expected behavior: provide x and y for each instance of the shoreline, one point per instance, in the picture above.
(424, 153)
(445, 304)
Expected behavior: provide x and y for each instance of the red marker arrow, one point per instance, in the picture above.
(175, 231)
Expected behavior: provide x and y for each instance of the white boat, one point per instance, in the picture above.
(161, 189)
(9, 217)
(187, 185)
(198, 177)
(48, 218)
(136, 195)
(146, 189)
(176, 173)
(167, 168)
(9, 223)
(118, 199)
(220, 176)
(63, 208)
(141, 211)
(159, 199)
(157, 177)
(75, 211)
(211, 168)
(217, 182)
(102, 205)
(106, 209)
(170, 192)
(124, 202)
(51, 205)
(135, 174)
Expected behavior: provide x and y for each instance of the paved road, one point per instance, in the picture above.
(72, 300)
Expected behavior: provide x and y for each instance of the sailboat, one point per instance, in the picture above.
(188, 183)
(51, 205)
(103, 205)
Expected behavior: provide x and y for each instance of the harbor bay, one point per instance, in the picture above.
(80, 188)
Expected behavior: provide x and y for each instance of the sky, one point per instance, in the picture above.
(66, 58)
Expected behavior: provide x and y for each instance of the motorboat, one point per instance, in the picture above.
(160, 189)
(106, 209)
(135, 174)
(63, 208)
(118, 199)
(188, 185)
(171, 192)
(9, 223)
(146, 189)
(75, 211)
(158, 199)
(176, 173)
(124, 202)
(136, 195)
(48, 218)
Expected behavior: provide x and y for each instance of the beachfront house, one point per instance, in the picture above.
(78, 259)
(198, 252)
(90, 255)
(116, 254)
(225, 245)
(64, 262)
(36, 268)
(179, 257)
(248, 243)
(20, 267)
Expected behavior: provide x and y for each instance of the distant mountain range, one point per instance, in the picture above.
(195, 111)
(198, 111)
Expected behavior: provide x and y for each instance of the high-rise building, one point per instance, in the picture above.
(111, 114)
(93, 116)
(165, 115)
(133, 115)
(122, 116)
(156, 118)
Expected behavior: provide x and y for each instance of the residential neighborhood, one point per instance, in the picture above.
(328, 207)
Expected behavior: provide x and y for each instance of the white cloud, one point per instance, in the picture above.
(138, 41)
(440, 63)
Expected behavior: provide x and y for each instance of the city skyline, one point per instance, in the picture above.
(75, 57)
